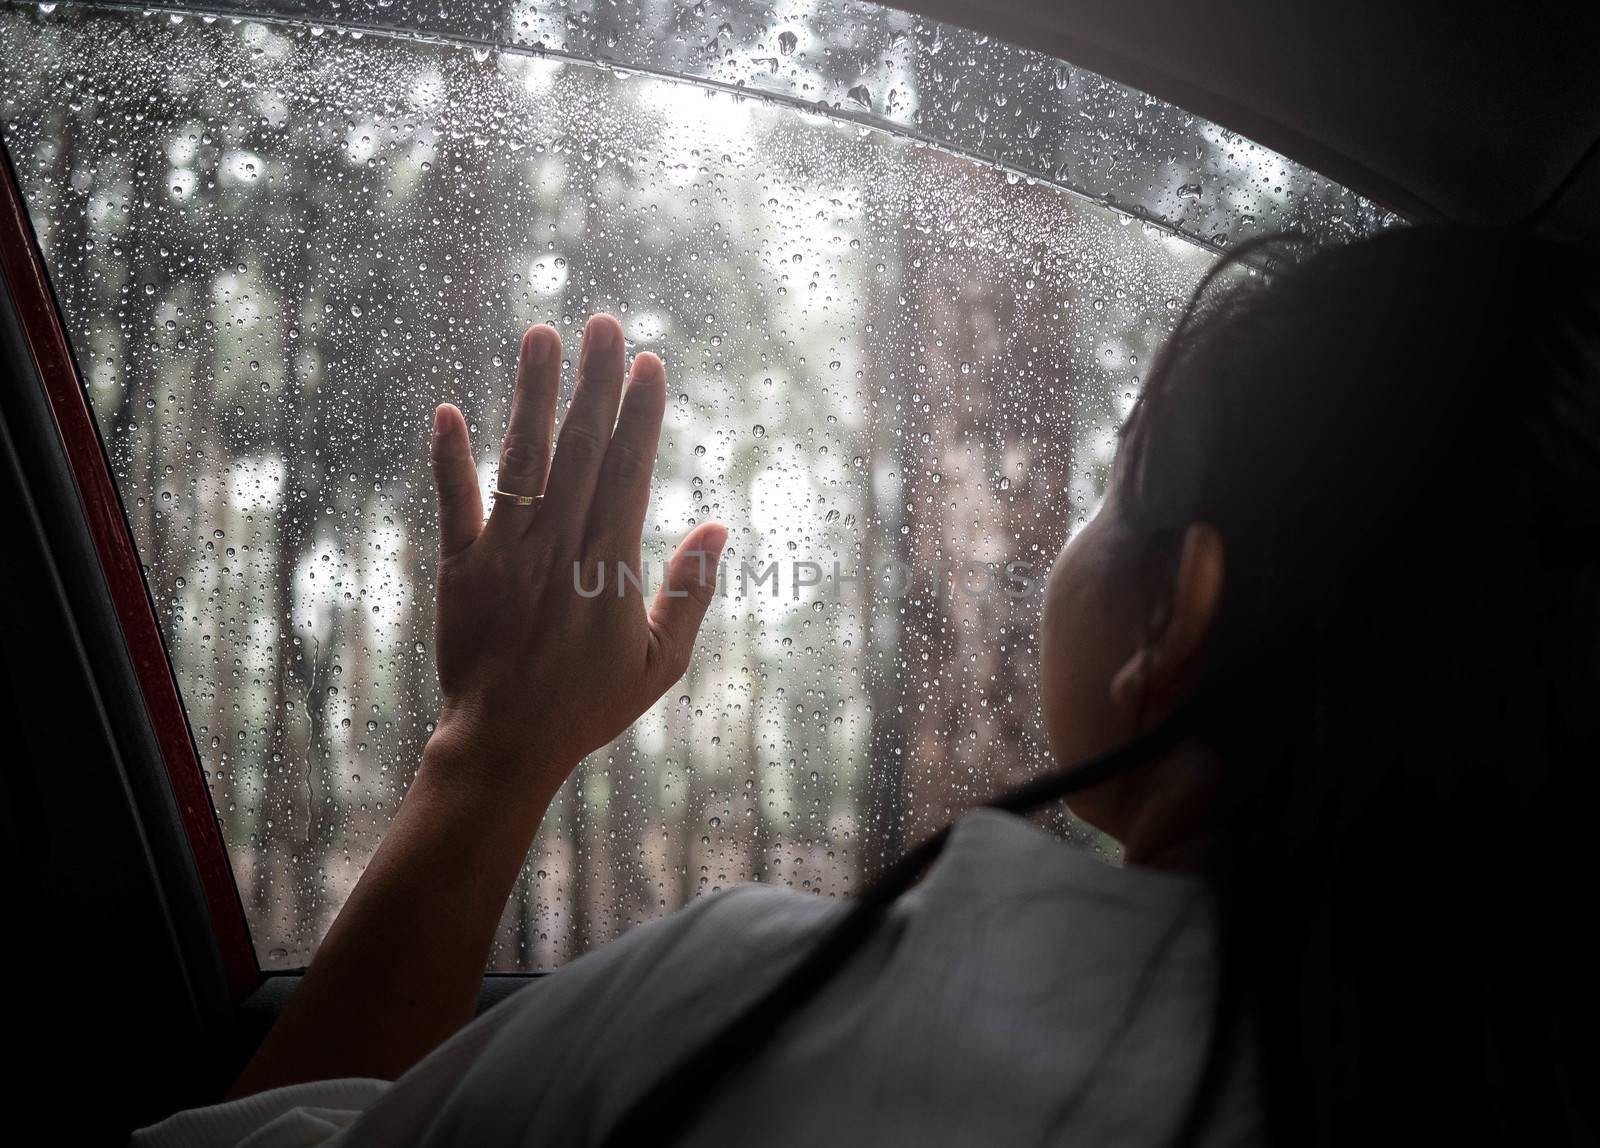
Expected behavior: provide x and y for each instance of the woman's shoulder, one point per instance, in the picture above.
(552, 1054)
(715, 936)
(1012, 929)
(695, 959)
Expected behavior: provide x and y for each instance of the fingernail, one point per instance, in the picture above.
(536, 345)
(602, 335)
(646, 368)
(438, 430)
(715, 543)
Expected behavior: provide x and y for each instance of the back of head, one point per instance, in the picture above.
(1399, 442)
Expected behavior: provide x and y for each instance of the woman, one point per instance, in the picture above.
(1325, 662)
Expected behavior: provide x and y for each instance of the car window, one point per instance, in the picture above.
(905, 281)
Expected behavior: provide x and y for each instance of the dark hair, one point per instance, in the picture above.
(1399, 442)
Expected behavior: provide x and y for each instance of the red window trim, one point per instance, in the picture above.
(23, 266)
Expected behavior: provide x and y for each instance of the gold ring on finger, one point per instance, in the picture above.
(519, 499)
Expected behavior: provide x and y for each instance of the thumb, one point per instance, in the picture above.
(456, 476)
(685, 594)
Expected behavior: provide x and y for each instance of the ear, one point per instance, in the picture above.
(1165, 659)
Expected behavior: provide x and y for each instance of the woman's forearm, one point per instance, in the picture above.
(401, 967)
(533, 676)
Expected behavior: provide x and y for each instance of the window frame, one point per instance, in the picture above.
(109, 526)
(164, 776)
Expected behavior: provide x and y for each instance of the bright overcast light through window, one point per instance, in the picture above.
(278, 244)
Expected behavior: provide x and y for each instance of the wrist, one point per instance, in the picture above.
(477, 765)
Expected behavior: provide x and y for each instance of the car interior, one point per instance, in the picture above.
(143, 948)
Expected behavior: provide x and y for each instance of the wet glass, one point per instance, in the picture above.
(899, 337)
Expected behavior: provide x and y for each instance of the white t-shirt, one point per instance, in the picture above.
(1024, 993)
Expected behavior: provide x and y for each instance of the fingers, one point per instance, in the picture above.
(525, 455)
(456, 476)
(586, 431)
(681, 603)
(622, 496)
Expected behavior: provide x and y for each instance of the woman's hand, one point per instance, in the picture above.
(534, 673)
